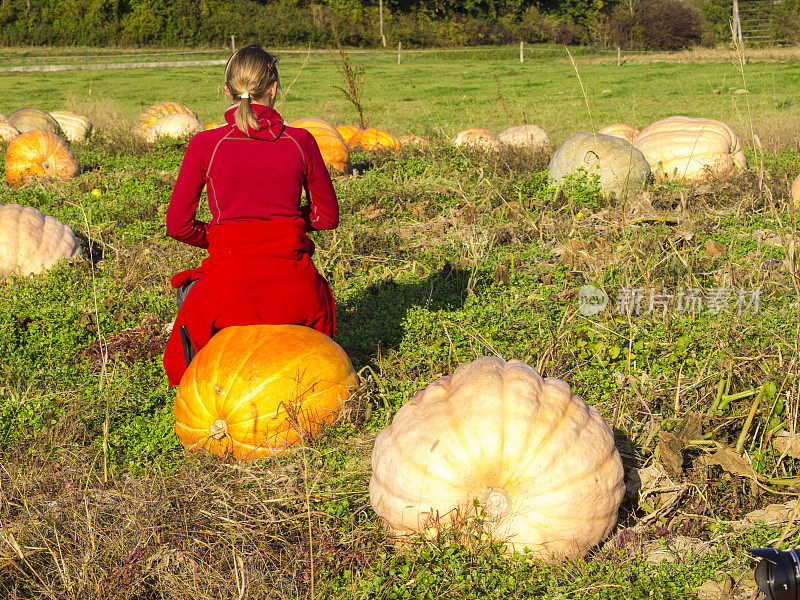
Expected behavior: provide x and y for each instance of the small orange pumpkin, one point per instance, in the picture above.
(256, 390)
(374, 139)
(39, 153)
(334, 151)
(347, 131)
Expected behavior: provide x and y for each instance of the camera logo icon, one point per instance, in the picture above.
(591, 300)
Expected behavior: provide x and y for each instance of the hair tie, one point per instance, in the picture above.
(245, 94)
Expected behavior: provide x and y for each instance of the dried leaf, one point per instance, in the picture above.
(787, 443)
(774, 514)
(714, 249)
(670, 447)
(690, 428)
(711, 590)
(501, 275)
(730, 461)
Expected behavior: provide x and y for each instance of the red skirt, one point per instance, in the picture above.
(256, 272)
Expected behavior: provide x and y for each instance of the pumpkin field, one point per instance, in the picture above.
(672, 308)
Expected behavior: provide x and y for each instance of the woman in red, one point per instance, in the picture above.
(259, 267)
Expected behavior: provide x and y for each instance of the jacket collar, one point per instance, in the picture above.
(270, 123)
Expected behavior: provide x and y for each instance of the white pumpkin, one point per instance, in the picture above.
(179, 125)
(413, 140)
(7, 132)
(482, 139)
(31, 242)
(690, 149)
(621, 168)
(621, 130)
(76, 128)
(539, 462)
(524, 136)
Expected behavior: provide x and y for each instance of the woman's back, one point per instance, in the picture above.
(259, 176)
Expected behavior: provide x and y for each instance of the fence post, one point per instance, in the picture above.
(399, 49)
(383, 38)
(521, 52)
(233, 45)
(619, 56)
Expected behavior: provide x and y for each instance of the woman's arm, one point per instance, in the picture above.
(181, 222)
(322, 211)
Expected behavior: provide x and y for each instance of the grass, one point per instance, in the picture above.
(442, 256)
(442, 93)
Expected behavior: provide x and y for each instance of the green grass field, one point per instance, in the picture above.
(442, 93)
(442, 255)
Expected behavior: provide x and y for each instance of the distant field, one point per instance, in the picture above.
(442, 92)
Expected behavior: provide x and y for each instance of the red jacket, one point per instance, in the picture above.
(256, 272)
(259, 268)
(253, 178)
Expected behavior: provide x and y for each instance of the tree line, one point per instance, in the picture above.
(629, 24)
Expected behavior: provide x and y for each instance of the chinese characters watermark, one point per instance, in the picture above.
(693, 301)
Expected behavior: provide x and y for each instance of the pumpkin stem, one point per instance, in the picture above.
(218, 429)
(496, 503)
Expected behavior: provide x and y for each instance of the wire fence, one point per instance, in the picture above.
(55, 59)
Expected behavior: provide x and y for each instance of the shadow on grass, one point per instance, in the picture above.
(373, 322)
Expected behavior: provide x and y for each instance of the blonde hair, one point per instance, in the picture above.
(251, 71)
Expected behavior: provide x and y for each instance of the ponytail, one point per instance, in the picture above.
(245, 115)
(249, 75)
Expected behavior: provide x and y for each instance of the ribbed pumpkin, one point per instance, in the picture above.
(175, 126)
(76, 128)
(31, 242)
(482, 139)
(212, 125)
(621, 130)
(160, 109)
(689, 148)
(539, 462)
(524, 136)
(796, 192)
(347, 131)
(39, 153)
(28, 119)
(374, 139)
(7, 132)
(332, 146)
(254, 391)
(621, 168)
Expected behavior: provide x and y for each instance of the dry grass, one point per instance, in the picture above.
(702, 55)
(213, 530)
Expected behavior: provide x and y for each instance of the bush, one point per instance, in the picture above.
(786, 22)
(668, 24)
(534, 27)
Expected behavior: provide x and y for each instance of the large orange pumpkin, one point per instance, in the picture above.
(256, 390)
(347, 131)
(334, 151)
(39, 153)
(374, 139)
